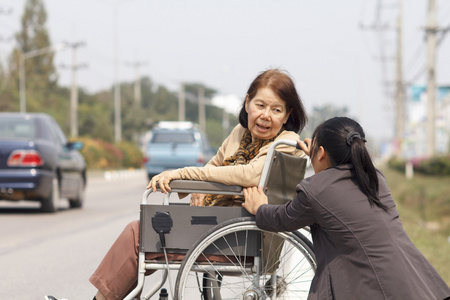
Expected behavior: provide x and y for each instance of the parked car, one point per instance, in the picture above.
(37, 163)
(176, 145)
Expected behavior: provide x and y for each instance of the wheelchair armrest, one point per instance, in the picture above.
(204, 187)
(196, 186)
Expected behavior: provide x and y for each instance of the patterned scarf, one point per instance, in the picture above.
(245, 153)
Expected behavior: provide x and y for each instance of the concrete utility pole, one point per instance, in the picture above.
(117, 100)
(74, 90)
(400, 95)
(201, 108)
(137, 82)
(181, 101)
(431, 31)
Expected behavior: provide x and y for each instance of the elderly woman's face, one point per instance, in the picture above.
(266, 114)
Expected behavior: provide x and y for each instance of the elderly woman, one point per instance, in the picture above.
(272, 110)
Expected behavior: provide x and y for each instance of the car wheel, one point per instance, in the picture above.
(78, 201)
(51, 203)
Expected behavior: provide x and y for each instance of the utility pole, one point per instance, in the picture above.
(380, 30)
(201, 108)
(431, 39)
(117, 100)
(74, 89)
(137, 82)
(400, 95)
(181, 102)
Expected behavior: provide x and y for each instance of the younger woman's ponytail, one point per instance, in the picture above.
(344, 141)
(365, 172)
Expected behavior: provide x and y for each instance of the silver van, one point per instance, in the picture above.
(176, 145)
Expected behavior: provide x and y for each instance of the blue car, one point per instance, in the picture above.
(176, 145)
(37, 163)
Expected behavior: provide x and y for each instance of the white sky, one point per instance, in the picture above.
(225, 44)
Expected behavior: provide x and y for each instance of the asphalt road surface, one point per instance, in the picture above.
(57, 253)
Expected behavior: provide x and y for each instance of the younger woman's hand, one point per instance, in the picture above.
(254, 198)
(163, 179)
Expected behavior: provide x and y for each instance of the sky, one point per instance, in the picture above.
(329, 47)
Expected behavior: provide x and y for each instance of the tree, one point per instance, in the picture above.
(192, 90)
(40, 72)
(6, 93)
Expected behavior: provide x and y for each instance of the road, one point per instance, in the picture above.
(56, 253)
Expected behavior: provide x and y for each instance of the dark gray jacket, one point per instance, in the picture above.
(362, 252)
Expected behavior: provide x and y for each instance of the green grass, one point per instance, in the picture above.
(424, 206)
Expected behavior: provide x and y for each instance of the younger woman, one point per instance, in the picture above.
(361, 248)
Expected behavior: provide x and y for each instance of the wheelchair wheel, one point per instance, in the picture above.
(284, 265)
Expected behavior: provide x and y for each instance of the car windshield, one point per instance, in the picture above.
(16, 128)
(173, 137)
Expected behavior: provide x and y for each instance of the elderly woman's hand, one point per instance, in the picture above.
(163, 179)
(197, 199)
(254, 198)
(305, 145)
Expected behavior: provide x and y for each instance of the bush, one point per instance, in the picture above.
(132, 155)
(104, 155)
(397, 164)
(436, 165)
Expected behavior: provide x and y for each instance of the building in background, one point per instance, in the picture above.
(414, 143)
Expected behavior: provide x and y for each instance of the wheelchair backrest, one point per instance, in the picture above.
(285, 172)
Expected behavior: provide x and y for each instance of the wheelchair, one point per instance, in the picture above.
(226, 255)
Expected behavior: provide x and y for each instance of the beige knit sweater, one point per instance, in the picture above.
(243, 175)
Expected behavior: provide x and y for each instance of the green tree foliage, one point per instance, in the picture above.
(96, 112)
(7, 93)
(95, 115)
(33, 36)
(193, 89)
(40, 72)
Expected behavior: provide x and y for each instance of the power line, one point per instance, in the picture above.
(442, 31)
(380, 27)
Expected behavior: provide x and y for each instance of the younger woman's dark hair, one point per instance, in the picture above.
(282, 85)
(344, 141)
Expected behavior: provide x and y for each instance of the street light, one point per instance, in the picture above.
(23, 57)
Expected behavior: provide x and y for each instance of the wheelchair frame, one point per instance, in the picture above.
(238, 230)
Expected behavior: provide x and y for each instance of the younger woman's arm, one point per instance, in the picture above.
(288, 217)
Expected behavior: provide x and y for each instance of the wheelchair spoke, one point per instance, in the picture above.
(232, 274)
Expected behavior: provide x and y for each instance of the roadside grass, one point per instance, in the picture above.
(424, 206)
